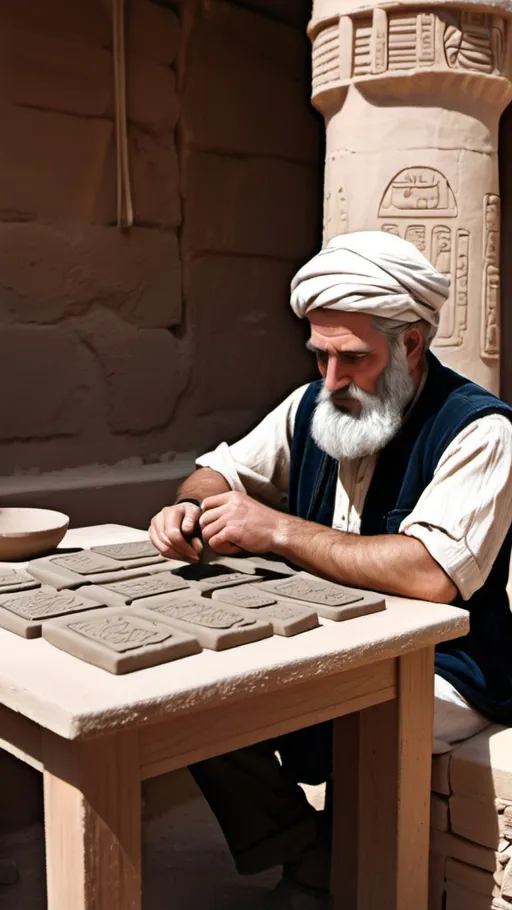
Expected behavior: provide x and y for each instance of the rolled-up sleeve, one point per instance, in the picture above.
(464, 514)
(259, 463)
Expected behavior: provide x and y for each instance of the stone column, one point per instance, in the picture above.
(412, 99)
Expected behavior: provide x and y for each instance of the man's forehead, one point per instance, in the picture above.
(342, 328)
(329, 321)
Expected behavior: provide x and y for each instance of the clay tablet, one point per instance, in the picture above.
(25, 613)
(274, 565)
(82, 568)
(85, 563)
(143, 551)
(126, 592)
(206, 577)
(214, 625)
(329, 600)
(249, 597)
(119, 640)
(286, 618)
(16, 580)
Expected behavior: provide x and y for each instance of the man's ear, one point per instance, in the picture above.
(414, 344)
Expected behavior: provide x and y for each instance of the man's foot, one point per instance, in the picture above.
(287, 895)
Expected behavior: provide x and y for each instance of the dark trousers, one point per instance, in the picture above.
(264, 814)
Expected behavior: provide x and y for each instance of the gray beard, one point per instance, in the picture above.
(344, 435)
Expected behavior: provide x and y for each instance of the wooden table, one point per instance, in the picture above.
(95, 737)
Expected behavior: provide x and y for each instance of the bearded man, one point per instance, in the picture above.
(393, 473)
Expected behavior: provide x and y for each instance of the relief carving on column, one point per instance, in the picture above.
(474, 41)
(490, 340)
(386, 41)
(326, 58)
(335, 212)
(416, 195)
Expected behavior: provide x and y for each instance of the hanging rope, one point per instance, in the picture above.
(124, 192)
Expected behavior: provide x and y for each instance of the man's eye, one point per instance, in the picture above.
(321, 356)
(352, 358)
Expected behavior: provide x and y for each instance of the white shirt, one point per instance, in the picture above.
(462, 517)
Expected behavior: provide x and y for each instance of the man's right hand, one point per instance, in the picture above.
(171, 529)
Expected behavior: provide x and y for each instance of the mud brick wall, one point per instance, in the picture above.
(176, 333)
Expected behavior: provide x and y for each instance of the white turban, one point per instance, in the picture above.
(371, 272)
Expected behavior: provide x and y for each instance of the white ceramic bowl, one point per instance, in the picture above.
(25, 533)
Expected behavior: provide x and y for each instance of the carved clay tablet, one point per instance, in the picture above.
(214, 625)
(148, 586)
(228, 579)
(24, 613)
(273, 565)
(54, 571)
(249, 597)
(286, 618)
(142, 549)
(312, 590)
(85, 563)
(329, 600)
(16, 580)
(119, 640)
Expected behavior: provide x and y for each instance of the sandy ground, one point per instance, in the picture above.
(186, 864)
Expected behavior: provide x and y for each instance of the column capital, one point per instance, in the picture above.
(358, 42)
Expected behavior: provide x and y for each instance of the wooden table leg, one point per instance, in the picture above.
(92, 805)
(382, 767)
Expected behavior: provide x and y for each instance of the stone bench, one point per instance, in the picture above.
(471, 825)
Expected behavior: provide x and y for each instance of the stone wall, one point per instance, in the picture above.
(176, 333)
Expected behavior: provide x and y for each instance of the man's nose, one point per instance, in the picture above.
(336, 377)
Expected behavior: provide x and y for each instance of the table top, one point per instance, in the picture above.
(73, 698)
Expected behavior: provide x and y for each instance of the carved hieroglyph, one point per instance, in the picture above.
(412, 99)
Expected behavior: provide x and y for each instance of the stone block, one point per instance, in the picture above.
(460, 898)
(45, 381)
(505, 880)
(143, 370)
(436, 881)
(254, 206)
(258, 355)
(440, 773)
(152, 31)
(482, 766)
(52, 166)
(154, 172)
(46, 273)
(439, 813)
(470, 877)
(265, 110)
(294, 14)
(154, 180)
(449, 844)
(84, 22)
(476, 819)
(58, 74)
(152, 100)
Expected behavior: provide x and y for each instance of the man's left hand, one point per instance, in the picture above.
(233, 523)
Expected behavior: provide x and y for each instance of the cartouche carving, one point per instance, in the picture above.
(418, 189)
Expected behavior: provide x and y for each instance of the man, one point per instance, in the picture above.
(396, 473)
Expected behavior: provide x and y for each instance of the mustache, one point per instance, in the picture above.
(351, 392)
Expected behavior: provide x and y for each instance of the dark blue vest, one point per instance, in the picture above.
(479, 665)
